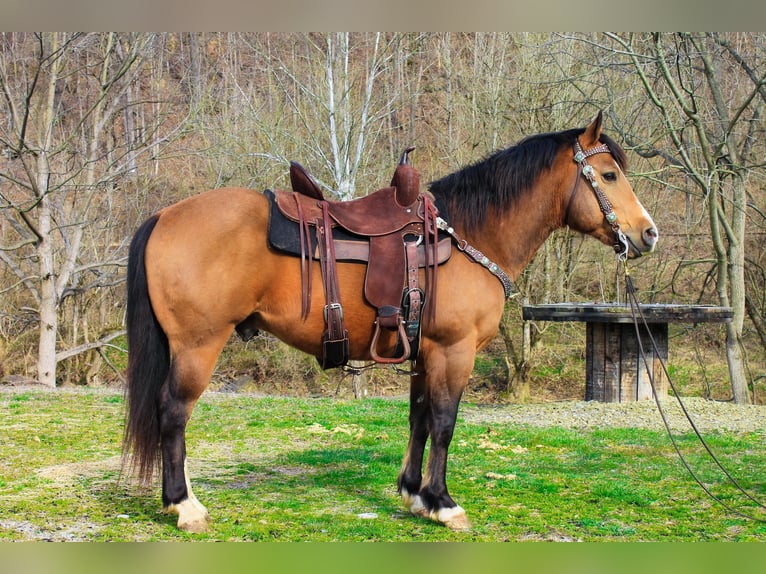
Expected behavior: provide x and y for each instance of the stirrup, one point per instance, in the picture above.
(406, 350)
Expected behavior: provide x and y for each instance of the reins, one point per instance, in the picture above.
(622, 248)
(638, 319)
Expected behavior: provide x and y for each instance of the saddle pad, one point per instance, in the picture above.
(284, 234)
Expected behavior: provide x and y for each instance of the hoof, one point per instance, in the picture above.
(192, 515)
(195, 526)
(414, 504)
(453, 518)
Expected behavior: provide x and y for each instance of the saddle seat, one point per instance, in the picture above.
(375, 215)
(383, 212)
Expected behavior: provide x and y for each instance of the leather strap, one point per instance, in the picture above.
(621, 246)
(413, 297)
(391, 318)
(306, 264)
(479, 258)
(335, 339)
(431, 243)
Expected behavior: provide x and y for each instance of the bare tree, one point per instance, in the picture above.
(333, 88)
(68, 135)
(707, 91)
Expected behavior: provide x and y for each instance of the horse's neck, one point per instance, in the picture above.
(511, 239)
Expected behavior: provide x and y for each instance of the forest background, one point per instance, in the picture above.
(99, 130)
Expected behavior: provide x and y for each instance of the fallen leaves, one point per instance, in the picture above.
(486, 444)
(498, 476)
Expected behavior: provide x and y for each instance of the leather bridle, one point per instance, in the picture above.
(622, 244)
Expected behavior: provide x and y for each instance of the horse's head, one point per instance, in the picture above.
(602, 202)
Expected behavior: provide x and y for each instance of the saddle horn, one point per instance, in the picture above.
(406, 180)
(404, 159)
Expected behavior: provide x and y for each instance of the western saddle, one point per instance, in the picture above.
(392, 230)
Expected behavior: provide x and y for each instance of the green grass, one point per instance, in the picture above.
(288, 469)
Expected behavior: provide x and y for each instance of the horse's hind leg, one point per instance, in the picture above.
(189, 376)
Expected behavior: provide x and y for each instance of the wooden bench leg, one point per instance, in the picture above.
(615, 369)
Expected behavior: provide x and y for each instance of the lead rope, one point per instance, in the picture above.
(637, 314)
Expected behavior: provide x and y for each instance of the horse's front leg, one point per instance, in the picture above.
(411, 475)
(445, 380)
(437, 502)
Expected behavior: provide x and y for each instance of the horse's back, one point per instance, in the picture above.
(215, 230)
(217, 209)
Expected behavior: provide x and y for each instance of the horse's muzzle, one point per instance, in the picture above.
(646, 244)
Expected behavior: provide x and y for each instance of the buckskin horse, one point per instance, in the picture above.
(202, 267)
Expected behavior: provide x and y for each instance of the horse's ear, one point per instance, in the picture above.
(593, 131)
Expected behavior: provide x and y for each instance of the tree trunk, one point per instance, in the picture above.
(517, 363)
(48, 312)
(46, 350)
(730, 254)
(57, 172)
(736, 270)
(690, 73)
(736, 361)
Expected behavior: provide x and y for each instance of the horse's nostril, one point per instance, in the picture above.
(650, 236)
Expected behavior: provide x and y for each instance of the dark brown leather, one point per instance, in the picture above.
(407, 183)
(306, 256)
(376, 214)
(387, 271)
(302, 182)
(406, 180)
(335, 343)
(360, 251)
(395, 220)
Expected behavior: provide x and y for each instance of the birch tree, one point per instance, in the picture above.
(333, 86)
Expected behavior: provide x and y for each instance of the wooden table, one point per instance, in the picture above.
(615, 369)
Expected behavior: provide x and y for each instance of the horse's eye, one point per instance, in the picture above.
(610, 176)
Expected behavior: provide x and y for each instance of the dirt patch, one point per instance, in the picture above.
(65, 473)
(82, 532)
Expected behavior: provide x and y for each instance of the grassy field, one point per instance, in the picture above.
(291, 469)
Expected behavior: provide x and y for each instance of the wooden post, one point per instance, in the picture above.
(615, 368)
(633, 372)
(594, 365)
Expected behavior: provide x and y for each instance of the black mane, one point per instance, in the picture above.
(494, 183)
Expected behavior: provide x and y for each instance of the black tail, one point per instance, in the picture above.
(148, 363)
